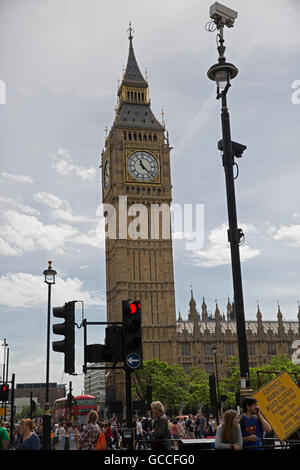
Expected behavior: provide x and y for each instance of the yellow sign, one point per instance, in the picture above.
(279, 401)
(2, 411)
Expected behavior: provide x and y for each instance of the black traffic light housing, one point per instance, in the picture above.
(33, 405)
(4, 392)
(67, 328)
(111, 351)
(132, 329)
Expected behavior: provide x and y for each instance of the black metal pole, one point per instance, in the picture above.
(30, 410)
(6, 380)
(218, 390)
(7, 362)
(12, 409)
(47, 415)
(234, 239)
(128, 398)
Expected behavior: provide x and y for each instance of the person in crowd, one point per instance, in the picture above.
(73, 436)
(140, 434)
(181, 428)
(228, 435)
(28, 439)
(4, 437)
(115, 433)
(62, 436)
(161, 435)
(147, 427)
(89, 436)
(253, 424)
(190, 428)
(108, 435)
(211, 427)
(200, 426)
(55, 440)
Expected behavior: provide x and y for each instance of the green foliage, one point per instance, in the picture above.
(26, 412)
(177, 389)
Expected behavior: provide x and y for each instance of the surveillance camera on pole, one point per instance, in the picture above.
(222, 15)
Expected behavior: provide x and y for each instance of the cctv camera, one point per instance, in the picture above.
(222, 15)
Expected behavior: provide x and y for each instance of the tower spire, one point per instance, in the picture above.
(130, 31)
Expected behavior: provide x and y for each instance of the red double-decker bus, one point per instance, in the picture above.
(83, 404)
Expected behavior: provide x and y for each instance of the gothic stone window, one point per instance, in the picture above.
(271, 349)
(207, 350)
(186, 349)
(229, 350)
(251, 349)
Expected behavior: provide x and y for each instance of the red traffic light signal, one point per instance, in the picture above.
(134, 307)
(4, 392)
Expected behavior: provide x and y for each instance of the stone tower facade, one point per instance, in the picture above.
(136, 192)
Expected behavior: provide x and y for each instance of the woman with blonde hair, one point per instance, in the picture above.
(28, 439)
(89, 437)
(229, 435)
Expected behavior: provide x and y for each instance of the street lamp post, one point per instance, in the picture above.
(222, 73)
(214, 348)
(50, 280)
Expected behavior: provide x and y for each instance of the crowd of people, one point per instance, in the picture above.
(154, 431)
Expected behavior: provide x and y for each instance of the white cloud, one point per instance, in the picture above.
(15, 178)
(63, 164)
(290, 233)
(218, 252)
(8, 202)
(60, 208)
(21, 233)
(24, 290)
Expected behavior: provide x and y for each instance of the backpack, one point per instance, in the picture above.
(101, 442)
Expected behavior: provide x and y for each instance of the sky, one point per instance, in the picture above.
(60, 64)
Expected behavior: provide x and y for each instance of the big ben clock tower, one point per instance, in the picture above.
(136, 181)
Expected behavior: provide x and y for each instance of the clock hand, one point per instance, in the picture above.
(144, 168)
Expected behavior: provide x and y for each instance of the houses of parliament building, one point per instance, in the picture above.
(136, 167)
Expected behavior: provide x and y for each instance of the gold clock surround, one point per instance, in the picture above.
(155, 153)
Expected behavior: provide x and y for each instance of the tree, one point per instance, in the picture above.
(170, 384)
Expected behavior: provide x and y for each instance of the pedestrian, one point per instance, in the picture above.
(108, 435)
(55, 440)
(61, 436)
(229, 436)
(253, 424)
(161, 435)
(89, 436)
(28, 439)
(140, 434)
(4, 437)
(115, 433)
(211, 427)
(190, 428)
(73, 436)
(200, 426)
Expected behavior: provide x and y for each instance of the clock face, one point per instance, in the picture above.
(106, 174)
(142, 166)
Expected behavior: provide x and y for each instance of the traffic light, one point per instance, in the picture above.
(111, 351)
(67, 328)
(132, 328)
(114, 343)
(33, 405)
(70, 400)
(4, 392)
